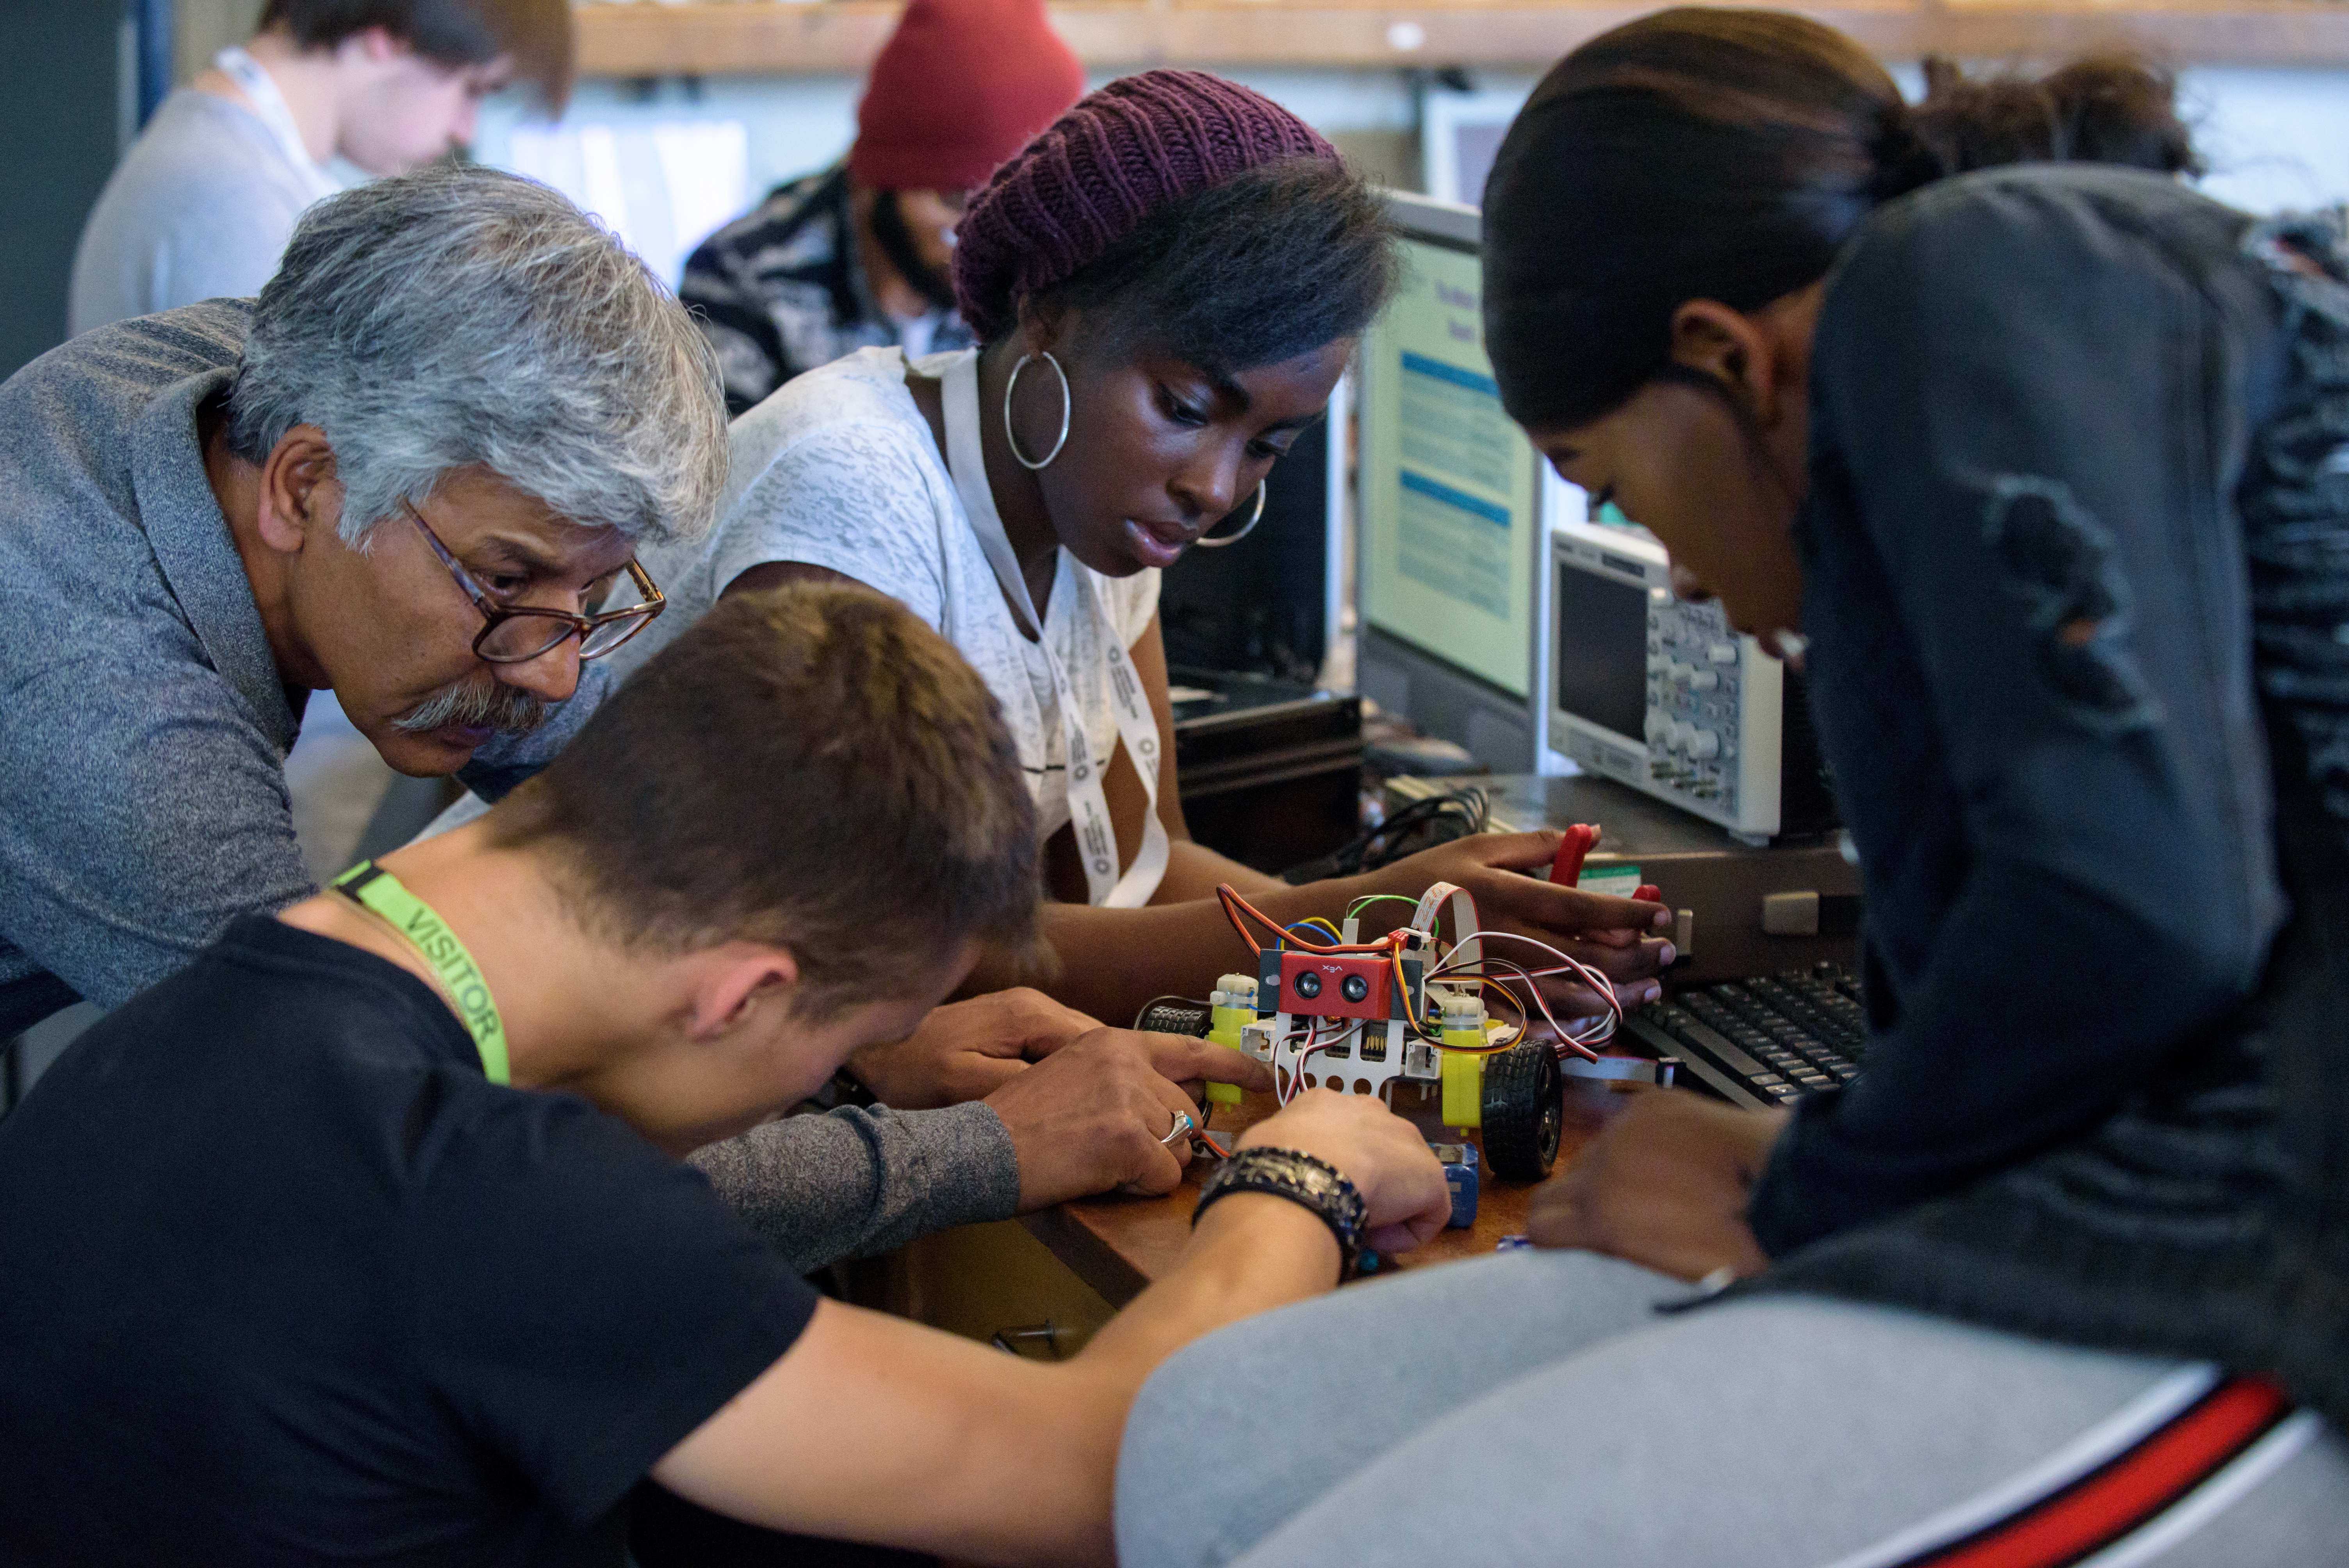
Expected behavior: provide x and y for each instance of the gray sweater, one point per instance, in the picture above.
(144, 738)
(143, 734)
(144, 731)
(199, 207)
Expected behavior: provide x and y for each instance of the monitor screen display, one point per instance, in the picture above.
(1602, 651)
(1447, 480)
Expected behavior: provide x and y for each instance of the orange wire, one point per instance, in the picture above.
(1235, 906)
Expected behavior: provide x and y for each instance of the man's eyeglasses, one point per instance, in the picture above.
(517, 635)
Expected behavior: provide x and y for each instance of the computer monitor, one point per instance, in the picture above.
(1459, 135)
(1454, 506)
(1664, 696)
(1269, 603)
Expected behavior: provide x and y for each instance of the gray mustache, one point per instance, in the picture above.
(506, 709)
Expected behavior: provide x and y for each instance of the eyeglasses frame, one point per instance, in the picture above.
(494, 614)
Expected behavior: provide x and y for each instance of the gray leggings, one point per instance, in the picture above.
(1533, 1409)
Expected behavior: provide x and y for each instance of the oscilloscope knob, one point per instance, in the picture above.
(1705, 743)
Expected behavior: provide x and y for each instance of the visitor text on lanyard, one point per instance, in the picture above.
(371, 887)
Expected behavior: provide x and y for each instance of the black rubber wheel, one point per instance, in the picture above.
(1525, 1112)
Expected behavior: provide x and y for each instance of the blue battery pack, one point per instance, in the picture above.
(1459, 1162)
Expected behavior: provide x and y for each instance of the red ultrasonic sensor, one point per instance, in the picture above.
(1335, 984)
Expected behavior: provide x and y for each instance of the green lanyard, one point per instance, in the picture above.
(371, 887)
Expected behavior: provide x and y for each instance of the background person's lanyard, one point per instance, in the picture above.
(371, 887)
(1088, 803)
(260, 91)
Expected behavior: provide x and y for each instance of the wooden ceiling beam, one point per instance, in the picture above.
(840, 37)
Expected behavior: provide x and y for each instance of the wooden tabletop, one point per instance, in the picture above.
(1119, 1244)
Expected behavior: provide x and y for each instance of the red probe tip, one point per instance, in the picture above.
(1567, 869)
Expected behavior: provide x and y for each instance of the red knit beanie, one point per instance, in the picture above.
(1139, 144)
(960, 86)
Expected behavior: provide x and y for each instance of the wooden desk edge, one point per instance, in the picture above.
(1086, 1253)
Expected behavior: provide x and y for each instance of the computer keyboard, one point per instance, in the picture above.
(1763, 1042)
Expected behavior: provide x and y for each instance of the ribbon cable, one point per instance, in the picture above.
(1088, 803)
(1465, 944)
(371, 887)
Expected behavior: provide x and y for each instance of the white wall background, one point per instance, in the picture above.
(2273, 139)
(665, 166)
(608, 154)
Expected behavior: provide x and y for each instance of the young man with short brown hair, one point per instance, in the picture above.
(362, 1237)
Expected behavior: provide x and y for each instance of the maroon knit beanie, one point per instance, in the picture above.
(960, 86)
(1139, 144)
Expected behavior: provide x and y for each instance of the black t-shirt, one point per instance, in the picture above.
(285, 1279)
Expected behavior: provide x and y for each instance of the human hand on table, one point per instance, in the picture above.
(1664, 1186)
(1385, 1157)
(1090, 1117)
(1614, 935)
(968, 1050)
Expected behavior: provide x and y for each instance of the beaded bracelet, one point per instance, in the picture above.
(1301, 1178)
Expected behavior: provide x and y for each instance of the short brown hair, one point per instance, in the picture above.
(536, 32)
(811, 768)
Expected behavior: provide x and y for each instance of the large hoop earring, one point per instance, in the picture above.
(1067, 407)
(1246, 528)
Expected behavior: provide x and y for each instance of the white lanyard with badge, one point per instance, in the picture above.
(269, 106)
(1087, 802)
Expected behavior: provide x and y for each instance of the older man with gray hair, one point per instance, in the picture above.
(416, 472)
(404, 474)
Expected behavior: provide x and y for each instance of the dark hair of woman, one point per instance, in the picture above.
(1726, 155)
(1274, 261)
(2099, 111)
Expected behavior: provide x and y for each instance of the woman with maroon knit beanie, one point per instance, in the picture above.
(1165, 285)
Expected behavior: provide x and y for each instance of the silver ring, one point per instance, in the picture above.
(1182, 1124)
(1067, 407)
(1248, 528)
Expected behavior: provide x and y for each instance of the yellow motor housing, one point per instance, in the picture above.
(1233, 1001)
(1462, 1034)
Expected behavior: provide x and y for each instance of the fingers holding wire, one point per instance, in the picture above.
(1624, 963)
(1608, 976)
(1534, 973)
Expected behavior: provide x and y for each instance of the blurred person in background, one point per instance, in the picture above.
(860, 256)
(203, 203)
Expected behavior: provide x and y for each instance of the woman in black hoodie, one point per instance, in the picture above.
(2047, 465)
